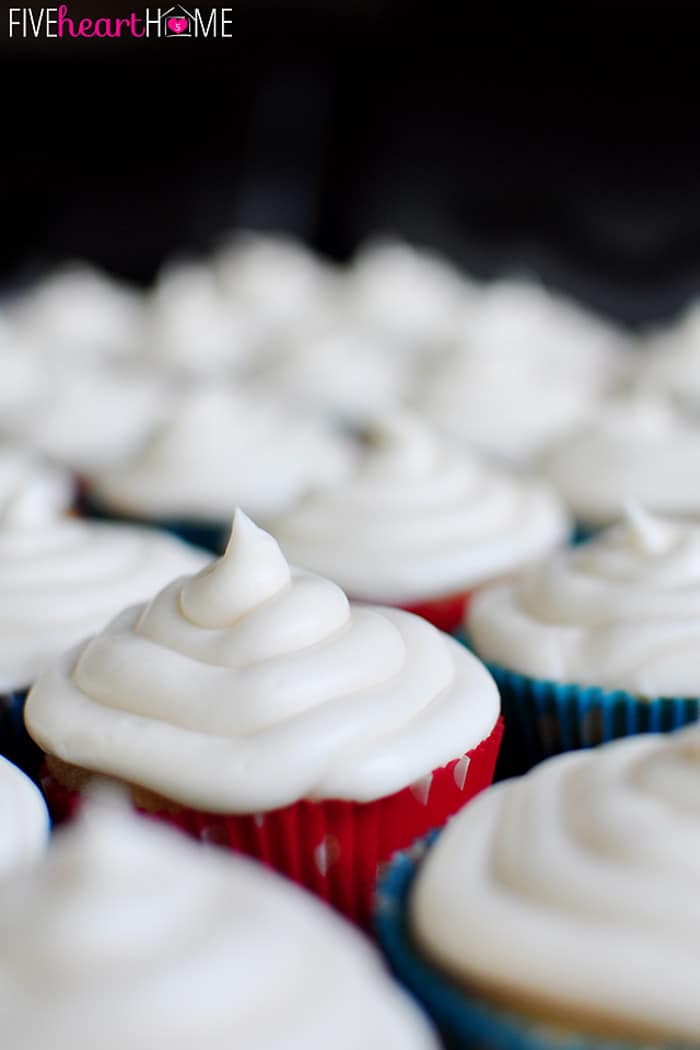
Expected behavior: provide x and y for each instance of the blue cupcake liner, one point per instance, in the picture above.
(464, 1021)
(211, 536)
(544, 718)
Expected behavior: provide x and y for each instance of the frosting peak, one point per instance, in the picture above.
(647, 533)
(251, 570)
(25, 507)
(403, 444)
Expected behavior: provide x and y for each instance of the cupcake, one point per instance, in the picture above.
(252, 705)
(24, 820)
(221, 448)
(558, 909)
(527, 368)
(420, 524)
(639, 447)
(128, 935)
(598, 641)
(191, 328)
(91, 419)
(273, 278)
(406, 294)
(79, 315)
(62, 579)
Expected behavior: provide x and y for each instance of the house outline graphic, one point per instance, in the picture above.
(176, 11)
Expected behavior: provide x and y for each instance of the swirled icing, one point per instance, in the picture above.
(573, 890)
(420, 519)
(127, 934)
(252, 685)
(80, 314)
(61, 579)
(94, 419)
(24, 820)
(528, 368)
(638, 447)
(621, 611)
(406, 293)
(221, 449)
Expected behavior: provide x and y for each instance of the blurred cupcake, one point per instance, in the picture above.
(559, 909)
(338, 371)
(527, 368)
(24, 820)
(597, 642)
(79, 315)
(91, 419)
(221, 448)
(405, 294)
(638, 447)
(419, 524)
(62, 579)
(273, 278)
(192, 330)
(253, 706)
(128, 935)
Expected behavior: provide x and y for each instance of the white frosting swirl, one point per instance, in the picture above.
(528, 368)
(420, 519)
(61, 579)
(222, 449)
(406, 293)
(253, 685)
(574, 889)
(24, 820)
(638, 447)
(80, 314)
(192, 328)
(621, 611)
(92, 419)
(130, 935)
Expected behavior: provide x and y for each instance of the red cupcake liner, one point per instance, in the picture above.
(332, 847)
(446, 614)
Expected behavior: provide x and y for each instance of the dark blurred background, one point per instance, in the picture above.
(560, 139)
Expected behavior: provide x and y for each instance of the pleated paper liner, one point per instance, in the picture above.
(332, 847)
(464, 1021)
(546, 718)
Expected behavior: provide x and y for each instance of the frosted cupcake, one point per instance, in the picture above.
(599, 641)
(560, 908)
(419, 524)
(91, 419)
(274, 278)
(221, 449)
(128, 935)
(24, 820)
(252, 705)
(527, 369)
(62, 579)
(639, 447)
(192, 329)
(80, 315)
(406, 294)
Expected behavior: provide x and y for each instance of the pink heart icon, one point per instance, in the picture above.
(177, 24)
